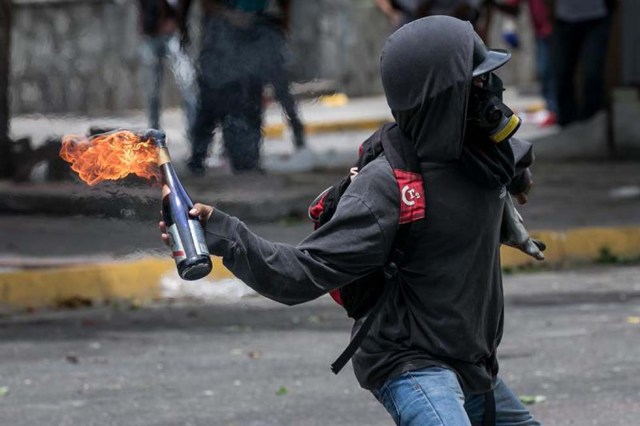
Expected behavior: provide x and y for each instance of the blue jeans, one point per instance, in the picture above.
(433, 396)
(153, 51)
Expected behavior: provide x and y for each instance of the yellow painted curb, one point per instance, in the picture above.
(274, 131)
(580, 244)
(141, 279)
(96, 282)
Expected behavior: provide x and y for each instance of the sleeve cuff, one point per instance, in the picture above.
(219, 232)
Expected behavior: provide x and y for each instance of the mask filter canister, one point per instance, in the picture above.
(489, 114)
(507, 127)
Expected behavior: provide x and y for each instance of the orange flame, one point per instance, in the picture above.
(110, 156)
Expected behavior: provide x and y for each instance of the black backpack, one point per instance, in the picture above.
(365, 296)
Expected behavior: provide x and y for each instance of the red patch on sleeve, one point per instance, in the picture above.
(335, 294)
(316, 210)
(412, 200)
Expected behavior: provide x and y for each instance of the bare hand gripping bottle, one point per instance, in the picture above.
(186, 235)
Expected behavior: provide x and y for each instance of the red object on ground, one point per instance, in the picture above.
(550, 120)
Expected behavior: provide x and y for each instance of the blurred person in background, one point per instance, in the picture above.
(277, 18)
(581, 29)
(401, 12)
(235, 48)
(540, 16)
(165, 36)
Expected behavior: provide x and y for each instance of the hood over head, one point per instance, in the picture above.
(426, 69)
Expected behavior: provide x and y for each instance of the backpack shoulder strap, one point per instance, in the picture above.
(402, 157)
(391, 277)
(406, 168)
(323, 207)
(398, 149)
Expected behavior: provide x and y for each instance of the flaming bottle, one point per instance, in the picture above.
(186, 235)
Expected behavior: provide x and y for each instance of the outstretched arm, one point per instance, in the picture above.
(355, 242)
(348, 247)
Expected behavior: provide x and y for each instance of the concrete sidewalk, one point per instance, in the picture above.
(583, 210)
(335, 125)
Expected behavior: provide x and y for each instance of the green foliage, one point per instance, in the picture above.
(529, 267)
(532, 399)
(608, 257)
(605, 257)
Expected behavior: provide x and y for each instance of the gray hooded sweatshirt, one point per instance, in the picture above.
(447, 310)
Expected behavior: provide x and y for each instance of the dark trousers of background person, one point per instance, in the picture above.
(544, 66)
(580, 46)
(236, 109)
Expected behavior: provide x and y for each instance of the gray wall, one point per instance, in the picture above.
(80, 56)
(339, 40)
(74, 56)
(77, 56)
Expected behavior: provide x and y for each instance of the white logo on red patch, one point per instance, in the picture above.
(410, 196)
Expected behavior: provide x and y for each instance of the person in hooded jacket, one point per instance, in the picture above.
(431, 356)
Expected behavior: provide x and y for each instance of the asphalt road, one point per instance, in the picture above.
(569, 338)
(259, 364)
(40, 236)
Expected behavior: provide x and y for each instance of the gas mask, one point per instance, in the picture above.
(486, 113)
